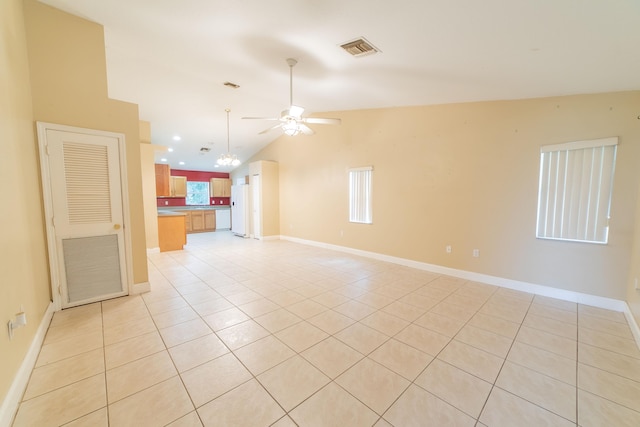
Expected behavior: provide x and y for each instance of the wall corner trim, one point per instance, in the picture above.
(9, 406)
(547, 291)
(140, 288)
(631, 320)
(270, 238)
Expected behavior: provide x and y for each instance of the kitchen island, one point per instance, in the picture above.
(172, 230)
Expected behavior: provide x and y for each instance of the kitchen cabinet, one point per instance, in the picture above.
(187, 221)
(220, 187)
(167, 185)
(172, 235)
(178, 186)
(197, 221)
(163, 178)
(209, 220)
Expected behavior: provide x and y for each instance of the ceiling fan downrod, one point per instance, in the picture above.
(292, 62)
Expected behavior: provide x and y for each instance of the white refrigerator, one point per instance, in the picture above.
(240, 210)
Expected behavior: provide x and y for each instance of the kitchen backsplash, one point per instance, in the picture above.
(179, 201)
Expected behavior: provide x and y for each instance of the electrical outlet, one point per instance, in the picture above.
(476, 253)
(448, 249)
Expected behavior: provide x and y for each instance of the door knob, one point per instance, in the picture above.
(116, 226)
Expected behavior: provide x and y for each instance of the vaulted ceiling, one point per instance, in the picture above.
(172, 58)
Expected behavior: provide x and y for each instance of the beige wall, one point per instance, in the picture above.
(148, 170)
(23, 257)
(53, 70)
(633, 294)
(147, 157)
(69, 84)
(464, 175)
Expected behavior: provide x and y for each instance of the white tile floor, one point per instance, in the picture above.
(246, 333)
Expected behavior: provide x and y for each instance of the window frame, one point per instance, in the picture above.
(207, 198)
(575, 190)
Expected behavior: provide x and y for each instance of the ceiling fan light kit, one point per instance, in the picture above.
(291, 128)
(291, 120)
(228, 159)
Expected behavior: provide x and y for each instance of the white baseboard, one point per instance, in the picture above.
(140, 288)
(153, 251)
(548, 291)
(11, 402)
(631, 320)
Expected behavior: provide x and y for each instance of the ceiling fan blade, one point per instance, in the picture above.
(260, 118)
(322, 121)
(270, 129)
(305, 129)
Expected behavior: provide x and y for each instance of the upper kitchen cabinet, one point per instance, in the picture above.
(163, 178)
(178, 186)
(220, 187)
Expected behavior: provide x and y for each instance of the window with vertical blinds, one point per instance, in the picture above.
(576, 182)
(360, 194)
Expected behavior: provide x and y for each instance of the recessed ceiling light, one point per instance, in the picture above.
(177, 138)
(170, 150)
(181, 163)
(163, 160)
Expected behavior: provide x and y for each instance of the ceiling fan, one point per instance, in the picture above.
(291, 120)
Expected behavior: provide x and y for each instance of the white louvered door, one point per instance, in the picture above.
(87, 217)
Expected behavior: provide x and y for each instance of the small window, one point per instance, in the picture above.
(197, 193)
(360, 195)
(574, 198)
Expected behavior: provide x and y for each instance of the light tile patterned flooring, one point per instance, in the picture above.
(247, 333)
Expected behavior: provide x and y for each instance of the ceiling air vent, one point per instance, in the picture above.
(360, 47)
(205, 149)
(231, 85)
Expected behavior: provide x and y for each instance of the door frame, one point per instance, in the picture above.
(54, 263)
(256, 206)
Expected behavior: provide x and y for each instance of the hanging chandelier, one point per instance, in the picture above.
(228, 159)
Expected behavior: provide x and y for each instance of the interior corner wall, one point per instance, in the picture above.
(23, 253)
(464, 175)
(67, 65)
(633, 281)
(147, 161)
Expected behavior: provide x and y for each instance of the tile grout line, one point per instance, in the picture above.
(104, 355)
(166, 348)
(577, 362)
(330, 335)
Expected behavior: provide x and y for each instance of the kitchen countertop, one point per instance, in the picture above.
(192, 208)
(162, 212)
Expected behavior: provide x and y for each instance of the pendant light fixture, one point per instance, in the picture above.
(228, 159)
